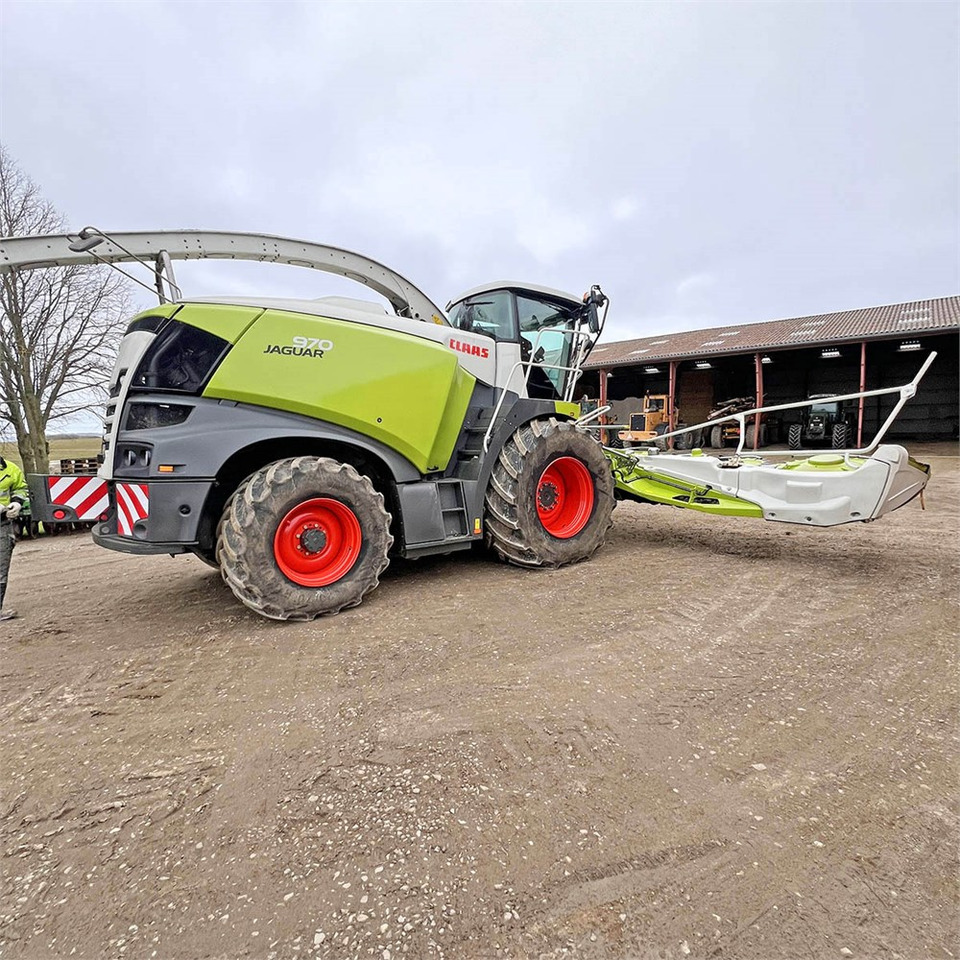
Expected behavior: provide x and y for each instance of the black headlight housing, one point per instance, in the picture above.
(150, 415)
(181, 360)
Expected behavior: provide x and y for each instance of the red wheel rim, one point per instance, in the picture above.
(317, 542)
(565, 497)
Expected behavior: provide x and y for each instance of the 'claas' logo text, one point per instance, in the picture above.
(470, 348)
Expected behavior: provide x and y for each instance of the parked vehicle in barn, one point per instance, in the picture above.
(299, 445)
(828, 423)
(727, 433)
(648, 426)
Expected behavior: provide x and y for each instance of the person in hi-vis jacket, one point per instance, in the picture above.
(13, 491)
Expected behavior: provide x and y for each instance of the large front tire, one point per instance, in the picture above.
(304, 537)
(550, 496)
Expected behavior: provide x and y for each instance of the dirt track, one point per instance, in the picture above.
(718, 739)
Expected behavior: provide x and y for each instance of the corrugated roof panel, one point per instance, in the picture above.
(867, 323)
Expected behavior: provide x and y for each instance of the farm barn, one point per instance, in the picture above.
(781, 361)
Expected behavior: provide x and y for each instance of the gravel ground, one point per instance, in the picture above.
(719, 738)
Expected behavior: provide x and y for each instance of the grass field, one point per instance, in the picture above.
(61, 448)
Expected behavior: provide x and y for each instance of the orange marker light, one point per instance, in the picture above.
(165, 468)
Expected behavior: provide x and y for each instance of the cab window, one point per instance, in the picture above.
(544, 326)
(490, 314)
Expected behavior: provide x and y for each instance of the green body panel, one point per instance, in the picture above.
(565, 409)
(163, 310)
(223, 321)
(406, 392)
(648, 485)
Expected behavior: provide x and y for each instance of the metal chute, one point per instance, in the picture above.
(92, 246)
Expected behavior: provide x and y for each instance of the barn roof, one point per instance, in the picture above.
(905, 320)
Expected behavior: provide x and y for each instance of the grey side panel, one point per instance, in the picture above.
(433, 512)
(175, 510)
(216, 430)
(420, 508)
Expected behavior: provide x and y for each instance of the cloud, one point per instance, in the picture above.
(461, 143)
(235, 185)
(624, 208)
(695, 284)
(414, 190)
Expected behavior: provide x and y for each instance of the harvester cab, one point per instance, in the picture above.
(539, 337)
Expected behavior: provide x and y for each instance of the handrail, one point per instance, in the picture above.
(577, 368)
(568, 389)
(34, 252)
(906, 391)
(592, 415)
(503, 392)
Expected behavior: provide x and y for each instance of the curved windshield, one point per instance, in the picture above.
(545, 332)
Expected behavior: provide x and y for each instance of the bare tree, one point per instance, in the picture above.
(59, 326)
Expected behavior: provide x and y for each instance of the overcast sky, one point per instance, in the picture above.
(706, 163)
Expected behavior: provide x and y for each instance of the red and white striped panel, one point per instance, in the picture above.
(133, 504)
(87, 495)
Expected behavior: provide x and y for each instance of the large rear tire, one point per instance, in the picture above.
(304, 537)
(716, 437)
(550, 497)
(838, 438)
(795, 436)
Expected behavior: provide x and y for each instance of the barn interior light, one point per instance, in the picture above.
(766, 359)
(830, 353)
(909, 345)
(703, 365)
(651, 369)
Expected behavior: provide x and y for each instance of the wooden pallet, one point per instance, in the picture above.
(79, 465)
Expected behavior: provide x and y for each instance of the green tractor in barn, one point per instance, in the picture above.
(826, 423)
(299, 445)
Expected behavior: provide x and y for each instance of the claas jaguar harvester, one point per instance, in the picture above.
(297, 445)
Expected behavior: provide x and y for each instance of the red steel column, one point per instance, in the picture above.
(757, 417)
(603, 403)
(863, 386)
(671, 401)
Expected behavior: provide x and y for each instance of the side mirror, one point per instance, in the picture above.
(593, 318)
(593, 300)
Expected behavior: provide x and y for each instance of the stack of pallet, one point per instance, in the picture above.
(78, 465)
